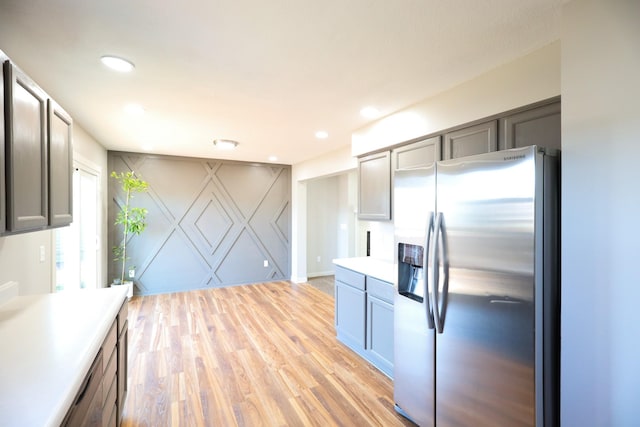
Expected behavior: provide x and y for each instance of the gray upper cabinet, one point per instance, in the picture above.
(3, 208)
(374, 183)
(538, 126)
(60, 166)
(26, 152)
(476, 139)
(417, 154)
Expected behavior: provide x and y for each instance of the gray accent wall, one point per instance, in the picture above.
(211, 223)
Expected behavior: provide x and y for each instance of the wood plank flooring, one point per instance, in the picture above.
(254, 355)
(324, 283)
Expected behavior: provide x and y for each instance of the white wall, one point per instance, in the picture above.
(335, 162)
(532, 78)
(600, 213)
(20, 261)
(20, 254)
(322, 225)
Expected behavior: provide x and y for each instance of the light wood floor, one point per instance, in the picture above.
(255, 355)
(324, 283)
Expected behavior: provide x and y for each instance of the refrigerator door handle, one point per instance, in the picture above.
(425, 264)
(435, 272)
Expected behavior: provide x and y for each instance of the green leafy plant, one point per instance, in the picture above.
(132, 219)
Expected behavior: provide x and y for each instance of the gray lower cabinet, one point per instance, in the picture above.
(476, 139)
(536, 126)
(123, 364)
(350, 308)
(87, 405)
(364, 317)
(110, 376)
(374, 186)
(100, 400)
(379, 345)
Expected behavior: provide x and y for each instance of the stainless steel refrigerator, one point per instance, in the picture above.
(476, 314)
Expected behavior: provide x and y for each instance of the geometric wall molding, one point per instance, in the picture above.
(210, 223)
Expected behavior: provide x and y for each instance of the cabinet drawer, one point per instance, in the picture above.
(89, 398)
(110, 401)
(111, 369)
(122, 316)
(110, 342)
(380, 289)
(350, 277)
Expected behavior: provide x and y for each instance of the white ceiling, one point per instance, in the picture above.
(266, 73)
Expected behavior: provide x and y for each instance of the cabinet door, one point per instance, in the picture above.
(60, 166)
(123, 359)
(26, 151)
(380, 334)
(374, 187)
(123, 368)
(539, 126)
(477, 139)
(417, 154)
(3, 208)
(350, 316)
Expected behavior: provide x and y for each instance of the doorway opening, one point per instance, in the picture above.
(331, 225)
(77, 246)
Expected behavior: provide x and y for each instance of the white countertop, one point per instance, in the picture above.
(47, 345)
(380, 269)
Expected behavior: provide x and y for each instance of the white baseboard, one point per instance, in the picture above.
(8, 291)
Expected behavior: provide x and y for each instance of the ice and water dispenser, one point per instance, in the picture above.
(411, 283)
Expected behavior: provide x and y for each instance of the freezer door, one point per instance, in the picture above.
(414, 208)
(485, 354)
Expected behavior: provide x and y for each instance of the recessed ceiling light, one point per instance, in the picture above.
(370, 112)
(134, 109)
(147, 147)
(117, 64)
(273, 159)
(225, 144)
(322, 134)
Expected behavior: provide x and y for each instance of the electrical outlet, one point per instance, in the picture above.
(318, 259)
(42, 253)
(265, 263)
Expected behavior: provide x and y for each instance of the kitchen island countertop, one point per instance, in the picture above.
(48, 345)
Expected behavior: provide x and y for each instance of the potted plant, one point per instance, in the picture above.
(132, 220)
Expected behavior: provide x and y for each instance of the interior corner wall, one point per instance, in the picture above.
(600, 368)
(210, 223)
